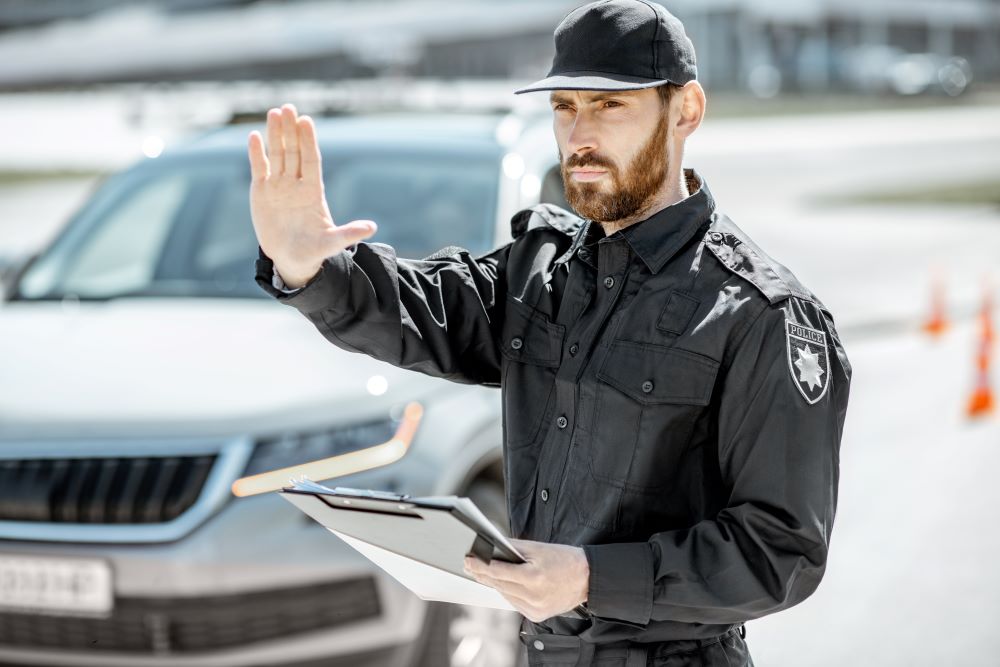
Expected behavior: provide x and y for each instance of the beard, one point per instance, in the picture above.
(629, 192)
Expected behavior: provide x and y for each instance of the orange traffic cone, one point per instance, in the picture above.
(982, 402)
(937, 322)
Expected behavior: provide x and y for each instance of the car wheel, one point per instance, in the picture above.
(467, 636)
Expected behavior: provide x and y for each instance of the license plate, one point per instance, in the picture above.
(55, 585)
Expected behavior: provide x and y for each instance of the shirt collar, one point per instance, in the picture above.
(657, 238)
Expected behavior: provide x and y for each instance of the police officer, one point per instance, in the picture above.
(673, 397)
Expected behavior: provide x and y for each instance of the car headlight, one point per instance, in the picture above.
(291, 449)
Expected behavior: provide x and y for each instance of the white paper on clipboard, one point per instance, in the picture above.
(426, 581)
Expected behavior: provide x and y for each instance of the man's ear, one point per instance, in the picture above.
(690, 109)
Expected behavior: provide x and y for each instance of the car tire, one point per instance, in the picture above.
(471, 636)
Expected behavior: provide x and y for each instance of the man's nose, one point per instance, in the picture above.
(582, 138)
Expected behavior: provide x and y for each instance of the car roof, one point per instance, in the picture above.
(397, 129)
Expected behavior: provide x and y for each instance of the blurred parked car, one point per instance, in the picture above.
(144, 371)
(885, 69)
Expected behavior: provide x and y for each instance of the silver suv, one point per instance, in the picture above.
(144, 371)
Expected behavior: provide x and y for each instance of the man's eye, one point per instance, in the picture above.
(617, 104)
(561, 106)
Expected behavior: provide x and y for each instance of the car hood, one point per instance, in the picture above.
(181, 367)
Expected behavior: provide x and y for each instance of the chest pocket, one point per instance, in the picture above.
(649, 398)
(532, 351)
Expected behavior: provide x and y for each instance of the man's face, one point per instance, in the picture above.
(612, 148)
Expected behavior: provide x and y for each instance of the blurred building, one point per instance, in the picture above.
(764, 46)
(841, 44)
(21, 13)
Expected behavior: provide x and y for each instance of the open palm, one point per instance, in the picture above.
(287, 202)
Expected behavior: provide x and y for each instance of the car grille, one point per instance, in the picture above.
(101, 490)
(165, 626)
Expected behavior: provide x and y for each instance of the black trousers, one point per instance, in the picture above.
(727, 650)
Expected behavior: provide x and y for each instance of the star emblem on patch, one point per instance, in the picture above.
(808, 360)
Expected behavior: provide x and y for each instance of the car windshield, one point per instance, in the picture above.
(184, 229)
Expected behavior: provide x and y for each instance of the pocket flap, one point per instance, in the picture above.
(652, 373)
(529, 336)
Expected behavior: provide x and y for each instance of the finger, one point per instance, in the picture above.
(290, 135)
(498, 569)
(503, 586)
(259, 166)
(312, 171)
(275, 147)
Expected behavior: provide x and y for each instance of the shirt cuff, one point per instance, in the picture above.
(327, 290)
(278, 283)
(621, 581)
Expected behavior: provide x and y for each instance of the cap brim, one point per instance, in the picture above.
(592, 81)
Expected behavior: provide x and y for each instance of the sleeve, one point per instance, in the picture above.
(781, 416)
(441, 315)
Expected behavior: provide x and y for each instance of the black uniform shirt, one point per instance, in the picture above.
(673, 401)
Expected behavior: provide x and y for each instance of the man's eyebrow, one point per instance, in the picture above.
(558, 98)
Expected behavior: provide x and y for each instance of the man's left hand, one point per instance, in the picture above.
(554, 579)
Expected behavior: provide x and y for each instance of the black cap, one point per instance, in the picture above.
(619, 45)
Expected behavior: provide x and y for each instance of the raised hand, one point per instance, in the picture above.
(287, 202)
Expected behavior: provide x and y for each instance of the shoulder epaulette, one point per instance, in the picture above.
(738, 253)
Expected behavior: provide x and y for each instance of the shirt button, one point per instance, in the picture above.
(538, 644)
(562, 421)
(573, 349)
(516, 343)
(717, 237)
(609, 282)
(584, 253)
(647, 386)
(545, 495)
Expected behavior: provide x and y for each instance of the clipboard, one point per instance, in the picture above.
(421, 542)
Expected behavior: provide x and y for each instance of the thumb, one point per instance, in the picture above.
(352, 232)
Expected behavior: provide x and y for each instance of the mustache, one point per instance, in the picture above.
(589, 160)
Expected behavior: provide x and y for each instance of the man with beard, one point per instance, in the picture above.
(673, 397)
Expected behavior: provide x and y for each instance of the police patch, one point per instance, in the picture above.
(808, 360)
